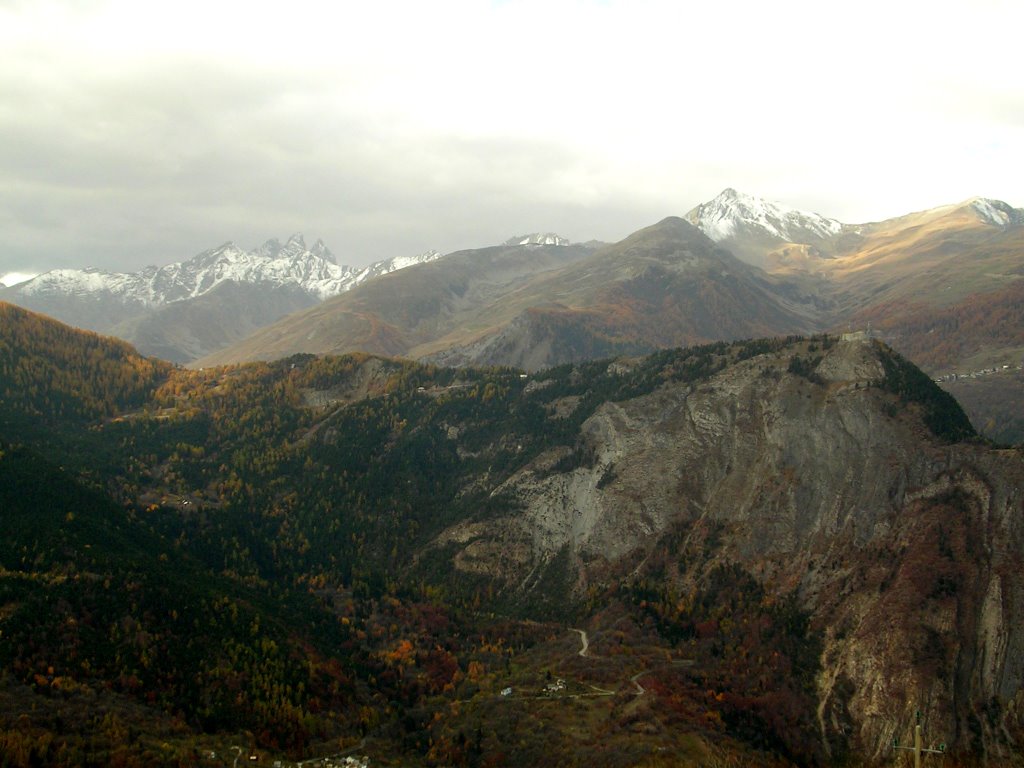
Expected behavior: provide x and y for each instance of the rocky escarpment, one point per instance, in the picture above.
(798, 465)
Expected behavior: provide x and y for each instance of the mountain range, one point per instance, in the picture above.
(942, 286)
(810, 273)
(186, 309)
(537, 305)
(793, 271)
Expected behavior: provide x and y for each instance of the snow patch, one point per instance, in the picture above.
(536, 238)
(996, 212)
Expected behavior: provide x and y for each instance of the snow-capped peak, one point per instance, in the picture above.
(313, 270)
(536, 238)
(294, 248)
(996, 212)
(733, 213)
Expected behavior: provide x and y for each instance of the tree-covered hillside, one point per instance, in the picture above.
(255, 563)
(52, 373)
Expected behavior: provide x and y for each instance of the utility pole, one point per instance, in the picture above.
(917, 749)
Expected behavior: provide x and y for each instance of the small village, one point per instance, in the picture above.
(237, 755)
(978, 374)
(349, 761)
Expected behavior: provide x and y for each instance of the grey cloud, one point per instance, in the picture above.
(127, 156)
(156, 165)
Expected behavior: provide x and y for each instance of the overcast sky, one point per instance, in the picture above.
(138, 132)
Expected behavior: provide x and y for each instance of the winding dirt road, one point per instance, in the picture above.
(584, 641)
(635, 679)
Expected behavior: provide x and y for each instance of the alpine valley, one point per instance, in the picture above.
(540, 503)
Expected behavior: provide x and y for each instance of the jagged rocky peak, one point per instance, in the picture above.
(269, 249)
(294, 248)
(313, 270)
(227, 250)
(732, 214)
(321, 251)
(996, 212)
(537, 238)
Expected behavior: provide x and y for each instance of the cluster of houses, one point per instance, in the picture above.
(556, 687)
(978, 374)
(340, 762)
(335, 761)
(349, 761)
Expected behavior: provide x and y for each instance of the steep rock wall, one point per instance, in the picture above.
(906, 551)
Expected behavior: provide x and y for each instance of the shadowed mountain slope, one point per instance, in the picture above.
(407, 311)
(665, 285)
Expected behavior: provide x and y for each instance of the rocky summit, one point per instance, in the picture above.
(798, 466)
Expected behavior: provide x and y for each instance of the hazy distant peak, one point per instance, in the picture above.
(536, 238)
(734, 213)
(322, 251)
(269, 249)
(294, 247)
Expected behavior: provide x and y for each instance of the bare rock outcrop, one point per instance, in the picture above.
(907, 551)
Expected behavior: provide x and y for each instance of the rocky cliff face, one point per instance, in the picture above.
(905, 550)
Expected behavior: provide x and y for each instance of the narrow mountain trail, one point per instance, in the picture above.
(584, 641)
(635, 679)
(585, 652)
